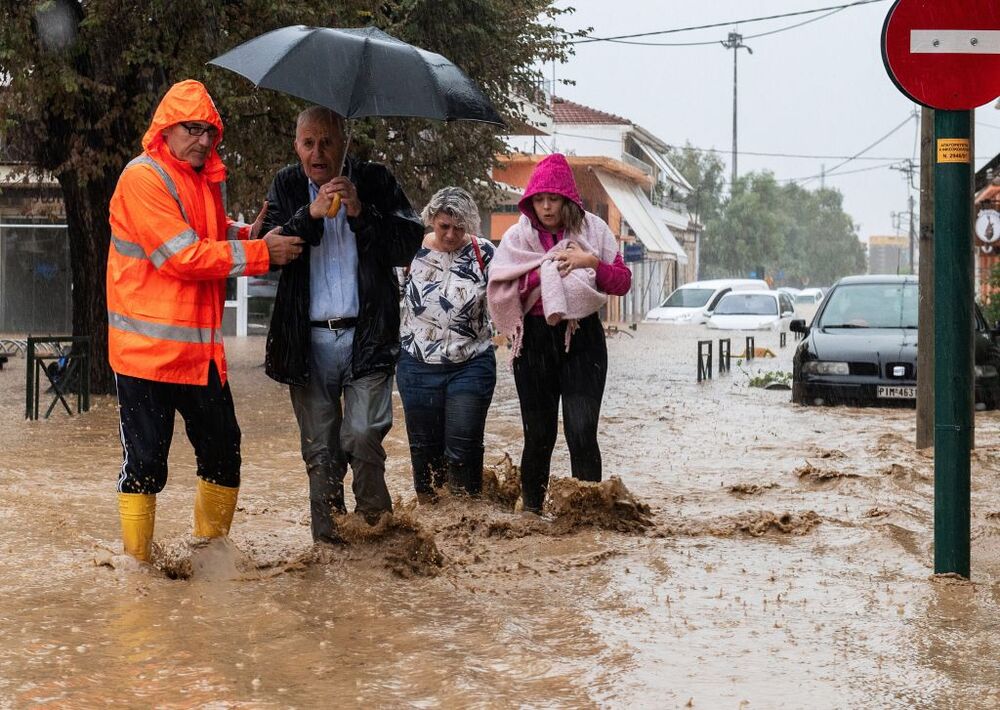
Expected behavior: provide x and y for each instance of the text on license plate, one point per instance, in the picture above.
(892, 392)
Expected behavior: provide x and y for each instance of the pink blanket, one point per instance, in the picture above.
(567, 298)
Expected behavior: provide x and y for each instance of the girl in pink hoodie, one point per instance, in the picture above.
(549, 278)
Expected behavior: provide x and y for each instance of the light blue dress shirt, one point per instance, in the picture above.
(333, 269)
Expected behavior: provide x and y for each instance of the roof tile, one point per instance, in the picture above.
(565, 111)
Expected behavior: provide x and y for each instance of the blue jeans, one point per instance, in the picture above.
(445, 409)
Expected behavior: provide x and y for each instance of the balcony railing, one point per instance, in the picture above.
(636, 163)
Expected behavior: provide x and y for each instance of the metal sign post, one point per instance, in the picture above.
(953, 344)
(945, 55)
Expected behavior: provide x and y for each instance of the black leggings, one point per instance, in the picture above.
(543, 373)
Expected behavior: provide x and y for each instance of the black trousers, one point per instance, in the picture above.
(544, 372)
(147, 411)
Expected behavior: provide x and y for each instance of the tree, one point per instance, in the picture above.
(83, 76)
(822, 244)
(804, 235)
(749, 230)
(706, 173)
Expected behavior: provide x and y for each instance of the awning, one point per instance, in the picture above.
(641, 216)
(664, 166)
(674, 219)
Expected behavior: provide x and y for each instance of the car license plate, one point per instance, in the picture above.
(892, 392)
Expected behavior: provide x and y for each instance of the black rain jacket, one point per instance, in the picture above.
(388, 234)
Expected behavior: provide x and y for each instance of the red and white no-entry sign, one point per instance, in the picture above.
(944, 54)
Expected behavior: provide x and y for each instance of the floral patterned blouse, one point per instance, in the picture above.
(444, 305)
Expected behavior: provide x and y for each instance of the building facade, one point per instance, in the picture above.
(889, 255)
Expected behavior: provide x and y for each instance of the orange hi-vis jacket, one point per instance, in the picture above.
(172, 249)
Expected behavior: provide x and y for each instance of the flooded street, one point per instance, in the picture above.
(785, 561)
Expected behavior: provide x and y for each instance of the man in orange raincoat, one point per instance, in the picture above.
(172, 249)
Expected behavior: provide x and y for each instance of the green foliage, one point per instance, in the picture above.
(706, 173)
(775, 378)
(79, 80)
(749, 230)
(83, 109)
(804, 233)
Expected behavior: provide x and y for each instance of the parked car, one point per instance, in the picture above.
(694, 302)
(753, 310)
(808, 297)
(862, 347)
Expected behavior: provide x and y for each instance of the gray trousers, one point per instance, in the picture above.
(333, 436)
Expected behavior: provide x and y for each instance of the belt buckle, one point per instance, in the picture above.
(330, 323)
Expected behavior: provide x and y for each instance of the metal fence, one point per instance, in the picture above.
(652, 281)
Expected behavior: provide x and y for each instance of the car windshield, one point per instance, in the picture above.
(805, 298)
(688, 298)
(871, 306)
(740, 304)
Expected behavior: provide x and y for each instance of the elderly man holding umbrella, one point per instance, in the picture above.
(335, 328)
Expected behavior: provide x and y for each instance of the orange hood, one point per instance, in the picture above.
(186, 101)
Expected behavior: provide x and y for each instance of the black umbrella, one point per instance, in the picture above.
(360, 72)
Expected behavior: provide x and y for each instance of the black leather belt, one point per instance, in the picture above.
(334, 323)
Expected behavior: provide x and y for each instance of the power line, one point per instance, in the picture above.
(806, 156)
(714, 42)
(842, 172)
(807, 178)
(864, 150)
(728, 23)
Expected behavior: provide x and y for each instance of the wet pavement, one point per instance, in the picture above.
(784, 560)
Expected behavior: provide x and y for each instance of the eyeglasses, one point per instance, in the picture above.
(197, 130)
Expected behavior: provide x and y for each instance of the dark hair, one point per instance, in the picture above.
(572, 216)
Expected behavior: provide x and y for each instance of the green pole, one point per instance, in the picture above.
(953, 353)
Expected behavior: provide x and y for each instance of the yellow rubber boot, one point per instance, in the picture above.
(138, 514)
(214, 506)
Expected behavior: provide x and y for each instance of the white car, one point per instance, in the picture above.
(809, 296)
(694, 302)
(753, 310)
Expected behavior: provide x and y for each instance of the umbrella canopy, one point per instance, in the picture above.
(360, 72)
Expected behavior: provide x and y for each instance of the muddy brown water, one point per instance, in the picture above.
(753, 554)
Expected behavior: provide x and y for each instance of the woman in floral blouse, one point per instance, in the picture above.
(447, 369)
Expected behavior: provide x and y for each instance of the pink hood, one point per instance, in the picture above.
(553, 174)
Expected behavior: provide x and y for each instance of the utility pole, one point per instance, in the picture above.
(909, 170)
(925, 288)
(735, 43)
(913, 238)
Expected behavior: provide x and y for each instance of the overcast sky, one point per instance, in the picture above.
(819, 89)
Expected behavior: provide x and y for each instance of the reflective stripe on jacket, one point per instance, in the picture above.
(172, 248)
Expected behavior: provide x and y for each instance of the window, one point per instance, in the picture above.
(743, 304)
(885, 305)
(688, 298)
